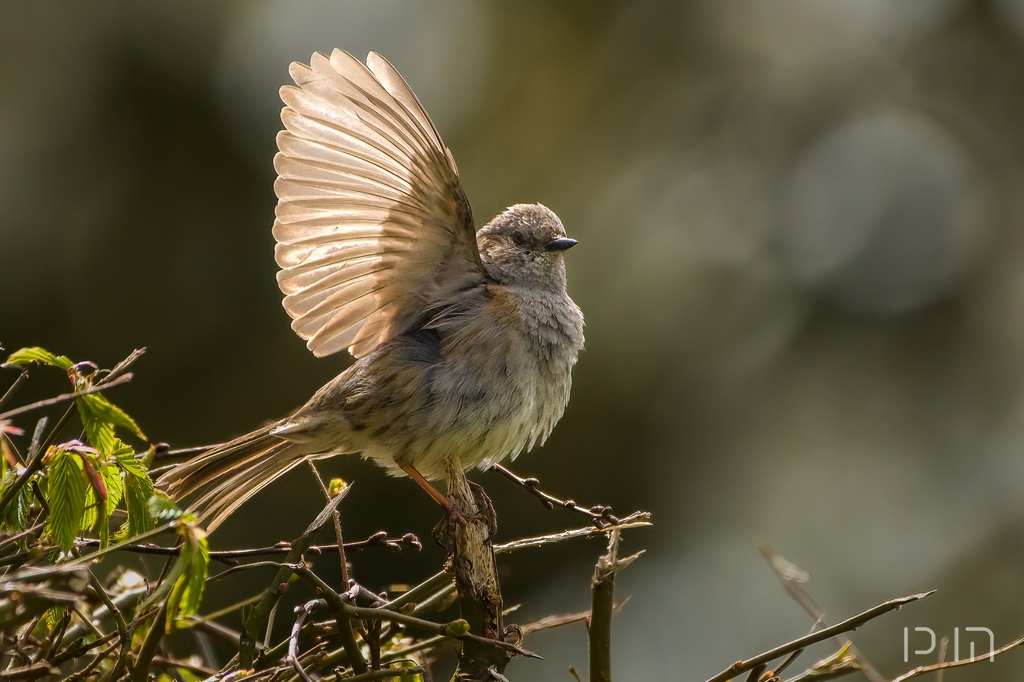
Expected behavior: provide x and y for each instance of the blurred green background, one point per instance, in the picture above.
(801, 262)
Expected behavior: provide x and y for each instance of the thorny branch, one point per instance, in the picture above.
(230, 556)
(603, 607)
(600, 514)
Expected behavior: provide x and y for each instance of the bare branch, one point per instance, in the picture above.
(64, 397)
(740, 667)
(793, 578)
(634, 520)
(302, 611)
(600, 514)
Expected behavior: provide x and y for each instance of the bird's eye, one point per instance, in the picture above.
(518, 238)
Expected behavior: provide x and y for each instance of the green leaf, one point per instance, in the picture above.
(193, 593)
(67, 493)
(183, 585)
(125, 457)
(102, 527)
(96, 497)
(114, 483)
(15, 516)
(54, 615)
(137, 491)
(27, 356)
(162, 508)
(185, 596)
(100, 417)
(166, 587)
(106, 477)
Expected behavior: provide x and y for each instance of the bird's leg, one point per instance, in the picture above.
(452, 513)
(422, 482)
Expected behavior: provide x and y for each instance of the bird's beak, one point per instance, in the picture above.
(560, 244)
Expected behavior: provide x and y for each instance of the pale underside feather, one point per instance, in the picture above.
(370, 208)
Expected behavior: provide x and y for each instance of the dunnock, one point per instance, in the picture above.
(464, 340)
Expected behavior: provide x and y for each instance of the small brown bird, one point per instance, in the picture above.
(464, 340)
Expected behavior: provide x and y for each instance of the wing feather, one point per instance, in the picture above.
(373, 228)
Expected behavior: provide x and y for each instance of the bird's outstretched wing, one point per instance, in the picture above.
(373, 227)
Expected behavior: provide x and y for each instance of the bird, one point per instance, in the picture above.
(464, 340)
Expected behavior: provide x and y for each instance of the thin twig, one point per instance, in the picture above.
(337, 523)
(557, 621)
(34, 463)
(301, 613)
(144, 658)
(600, 514)
(17, 536)
(378, 539)
(243, 567)
(162, 451)
(386, 673)
(123, 632)
(120, 367)
(924, 669)
(792, 578)
(64, 397)
(309, 632)
(84, 672)
(209, 617)
(634, 520)
(420, 645)
(14, 387)
(191, 667)
(740, 667)
(31, 672)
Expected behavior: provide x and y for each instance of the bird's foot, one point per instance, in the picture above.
(454, 517)
(448, 525)
(485, 508)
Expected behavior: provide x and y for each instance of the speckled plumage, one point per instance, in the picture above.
(464, 341)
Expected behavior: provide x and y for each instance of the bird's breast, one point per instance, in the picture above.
(482, 383)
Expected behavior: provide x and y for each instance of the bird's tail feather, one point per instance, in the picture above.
(229, 474)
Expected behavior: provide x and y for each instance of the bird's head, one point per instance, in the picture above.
(524, 245)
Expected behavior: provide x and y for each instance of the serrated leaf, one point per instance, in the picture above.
(96, 497)
(54, 615)
(92, 505)
(27, 356)
(15, 516)
(137, 491)
(162, 508)
(185, 596)
(114, 483)
(67, 493)
(102, 527)
(97, 511)
(125, 457)
(182, 587)
(101, 417)
(193, 594)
